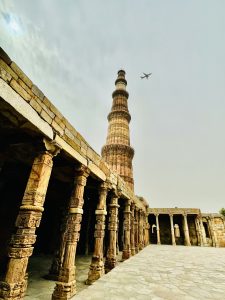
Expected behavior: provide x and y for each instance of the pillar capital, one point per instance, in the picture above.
(52, 146)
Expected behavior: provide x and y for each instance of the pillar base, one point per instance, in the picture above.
(110, 264)
(96, 271)
(126, 254)
(133, 251)
(66, 285)
(13, 291)
(136, 250)
(64, 291)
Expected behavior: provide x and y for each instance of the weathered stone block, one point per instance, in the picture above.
(37, 92)
(57, 128)
(4, 56)
(55, 110)
(20, 90)
(46, 101)
(77, 141)
(46, 116)
(69, 134)
(50, 113)
(8, 69)
(21, 74)
(4, 75)
(35, 105)
(25, 87)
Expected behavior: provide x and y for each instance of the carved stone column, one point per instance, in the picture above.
(172, 230)
(110, 262)
(126, 226)
(147, 228)
(97, 265)
(202, 231)
(66, 285)
(198, 231)
(140, 227)
(136, 242)
(132, 231)
(157, 229)
(28, 219)
(186, 231)
(143, 228)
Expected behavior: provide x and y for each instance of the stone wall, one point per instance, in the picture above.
(216, 227)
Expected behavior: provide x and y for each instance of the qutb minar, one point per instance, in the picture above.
(117, 151)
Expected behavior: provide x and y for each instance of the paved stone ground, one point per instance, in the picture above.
(164, 272)
(40, 288)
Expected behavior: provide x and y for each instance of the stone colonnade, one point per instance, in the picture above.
(201, 237)
(135, 229)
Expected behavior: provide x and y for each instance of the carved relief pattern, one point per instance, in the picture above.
(27, 221)
(66, 285)
(97, 265)
(126, 225)
(112, 227)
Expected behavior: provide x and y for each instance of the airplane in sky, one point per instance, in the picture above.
(146, 75)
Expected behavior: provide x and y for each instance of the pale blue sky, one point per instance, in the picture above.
(73, 49)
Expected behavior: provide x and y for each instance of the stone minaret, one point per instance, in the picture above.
(117, 152)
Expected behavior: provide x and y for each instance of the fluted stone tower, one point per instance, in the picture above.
(117, 152)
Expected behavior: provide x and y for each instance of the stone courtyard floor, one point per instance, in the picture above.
(164, 272)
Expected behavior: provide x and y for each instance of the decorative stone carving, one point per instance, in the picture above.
(28, 219)
(132, 231)
(66, 285)
(97, 268)
(110, 262)
(127, 226)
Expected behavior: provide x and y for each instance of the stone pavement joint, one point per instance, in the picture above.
(164, 272)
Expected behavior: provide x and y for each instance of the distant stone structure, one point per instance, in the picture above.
(185, 226)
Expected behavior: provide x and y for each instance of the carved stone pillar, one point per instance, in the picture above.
(172, 230)
(126, 226)
(202, 231)
(66, 285)
(132, 231)
(140, 233)
(136, 242)
(28, 219)
(110, 262)
(198, 231)
(97, 265)
(157, 229)
(186, 231)
(147, 235)
(143, 228)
